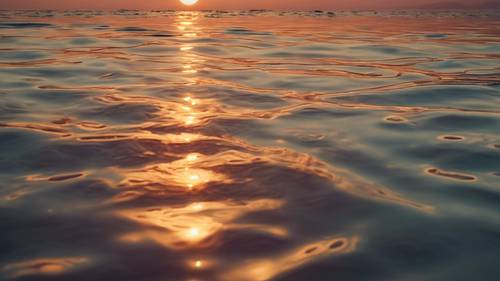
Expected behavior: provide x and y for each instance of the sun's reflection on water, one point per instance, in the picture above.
(186, 173)
(192, 225)
(187, 26)
(190, 111)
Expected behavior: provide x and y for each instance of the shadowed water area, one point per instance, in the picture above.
(249, 146)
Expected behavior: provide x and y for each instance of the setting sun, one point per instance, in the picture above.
(189, 2)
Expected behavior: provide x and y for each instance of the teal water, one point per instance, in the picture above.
(249, 146)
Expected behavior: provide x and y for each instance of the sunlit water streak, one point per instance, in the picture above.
(249, 145)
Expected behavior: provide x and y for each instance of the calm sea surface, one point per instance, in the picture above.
(249, 146)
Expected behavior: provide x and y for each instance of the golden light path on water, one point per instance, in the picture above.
(194, 225)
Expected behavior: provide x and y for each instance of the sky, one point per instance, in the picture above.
(247, 4)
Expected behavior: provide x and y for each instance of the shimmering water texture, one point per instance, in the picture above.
(157, 146)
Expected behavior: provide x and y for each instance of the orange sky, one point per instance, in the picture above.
(247, 4)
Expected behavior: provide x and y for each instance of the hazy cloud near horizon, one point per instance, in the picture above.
(252, 4)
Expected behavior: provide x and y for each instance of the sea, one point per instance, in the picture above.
(249, 145)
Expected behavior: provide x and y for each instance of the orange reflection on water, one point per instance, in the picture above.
(180, 177)
(42, 266)
(192, 111)
(187, 25)
(266, 269)
(181, 173)
(181, 138)
(195, 223)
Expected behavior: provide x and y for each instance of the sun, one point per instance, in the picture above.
(189, 2)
